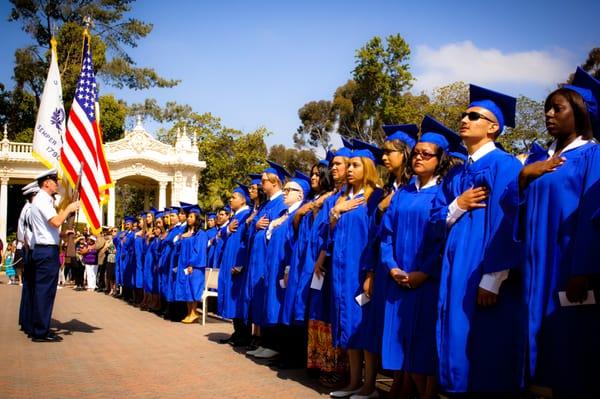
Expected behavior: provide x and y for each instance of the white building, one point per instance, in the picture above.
(138, 159)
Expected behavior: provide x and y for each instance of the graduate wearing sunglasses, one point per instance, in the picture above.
(481, 309)
(411, 266)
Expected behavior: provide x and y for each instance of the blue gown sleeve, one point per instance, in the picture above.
(387, 236)
(587, 237)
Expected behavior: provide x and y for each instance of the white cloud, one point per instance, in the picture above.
(466, 62)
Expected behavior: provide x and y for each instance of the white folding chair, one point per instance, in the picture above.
(211, 283)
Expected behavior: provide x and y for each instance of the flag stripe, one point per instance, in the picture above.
(82, 149)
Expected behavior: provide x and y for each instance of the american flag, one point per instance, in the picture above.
(82, 147)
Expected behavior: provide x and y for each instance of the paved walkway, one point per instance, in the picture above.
(111, 349)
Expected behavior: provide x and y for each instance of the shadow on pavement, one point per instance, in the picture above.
(72, 326)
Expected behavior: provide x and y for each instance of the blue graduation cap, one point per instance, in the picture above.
(173, 209)
(227, 208)
(406, 133)
(303, 181)
(503, 107)
(211, 215)
(328, 157)
(192, 209)
(153, 211)
(366, 150)
(184, 204)
(588, 88)
(433, 131)
(277, 170)
(345, 151)
(129, 219)
(243, 190)
(255, 178)
(159, 214)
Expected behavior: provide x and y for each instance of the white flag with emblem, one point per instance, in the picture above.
(50, 123)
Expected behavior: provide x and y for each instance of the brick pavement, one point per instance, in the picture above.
(111, 349)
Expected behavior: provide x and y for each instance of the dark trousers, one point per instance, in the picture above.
(25, 309)
(77, 271)
(46, 264)
(101, 277)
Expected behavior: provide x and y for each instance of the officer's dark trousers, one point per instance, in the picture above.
(25, 310)
(46, 265)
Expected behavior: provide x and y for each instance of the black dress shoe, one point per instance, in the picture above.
(48, 338)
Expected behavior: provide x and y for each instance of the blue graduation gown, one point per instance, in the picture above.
(217, 247)
(319, 301)
(230, 299)
(559, 240)
(254, 292)
(192, 251)
(128, 259)
(279, 253)
(151, 265)
(140, 250)
(210, 234)
(166, 263)
(409, 315)
(352, 257)
(480, 349)
(296, 292)
(118, 252)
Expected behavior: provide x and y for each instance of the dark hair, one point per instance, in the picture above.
(261, 196)
(325, 179)
(197, 224)
(406, 174)
(445, 163)
(583, 123)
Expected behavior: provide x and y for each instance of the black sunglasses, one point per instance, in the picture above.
(473, 116)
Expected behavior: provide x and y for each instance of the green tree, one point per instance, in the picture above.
(293, 159)
(448, 103)
(529, 126)
(112, 114)
(112, 33)
(317, 122)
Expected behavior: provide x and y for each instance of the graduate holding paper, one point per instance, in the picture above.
(353, 228)
(480, 328)
(560, 195)
(411, 264)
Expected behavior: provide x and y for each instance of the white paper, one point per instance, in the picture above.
(186, 272)
(362, 299)
(564, 301)
(238, 268)
(282, 283)
(317, 282)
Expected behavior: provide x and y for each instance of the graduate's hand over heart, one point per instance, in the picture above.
(577, 288)
(233, 226)
(534, 170)
(486, 298)
(262, 223)
(473, 198)
(304, 209)
(385, 203)
(345, 206)
(317, 204)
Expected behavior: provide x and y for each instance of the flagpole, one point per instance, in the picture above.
(72, 218)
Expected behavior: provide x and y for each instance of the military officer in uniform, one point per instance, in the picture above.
(46, 223)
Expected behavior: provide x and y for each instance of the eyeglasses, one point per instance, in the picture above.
(474, 116)
(288, 189)
(426, 156)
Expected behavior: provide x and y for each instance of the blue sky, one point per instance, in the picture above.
(255, 63)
